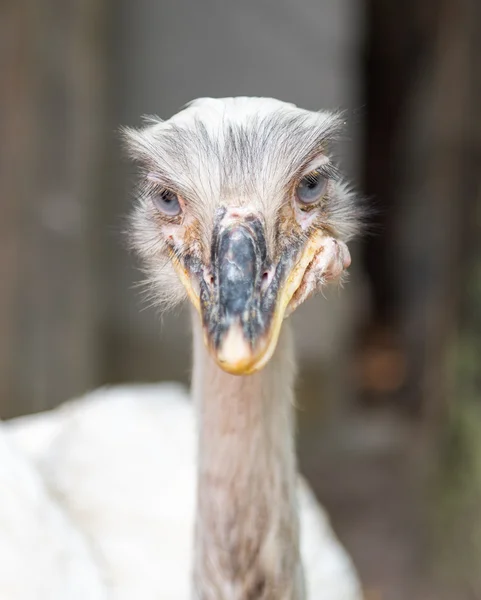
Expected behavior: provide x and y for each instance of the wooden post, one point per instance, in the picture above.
(52, 112)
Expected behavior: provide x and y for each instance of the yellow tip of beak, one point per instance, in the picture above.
(235, 354)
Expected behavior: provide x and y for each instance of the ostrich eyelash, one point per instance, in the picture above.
(328, 171)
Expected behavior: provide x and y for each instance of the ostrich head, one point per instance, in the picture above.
(241, 210)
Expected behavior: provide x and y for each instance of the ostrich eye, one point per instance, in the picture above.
(311, 188)
(167, 202)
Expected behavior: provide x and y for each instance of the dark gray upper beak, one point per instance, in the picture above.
(239, 259)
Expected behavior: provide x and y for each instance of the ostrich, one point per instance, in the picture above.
(241, 212)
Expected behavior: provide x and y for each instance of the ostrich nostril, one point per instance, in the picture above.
(266, 279)
(208, 278)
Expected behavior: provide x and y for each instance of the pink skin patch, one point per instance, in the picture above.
(328, 264)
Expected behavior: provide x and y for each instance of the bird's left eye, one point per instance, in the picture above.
(167, 202)
(311, 188)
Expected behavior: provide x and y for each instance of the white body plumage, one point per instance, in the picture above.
(98, 501)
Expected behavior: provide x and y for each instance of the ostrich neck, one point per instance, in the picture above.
(247, 532)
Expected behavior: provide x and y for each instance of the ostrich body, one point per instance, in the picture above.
(242, 212)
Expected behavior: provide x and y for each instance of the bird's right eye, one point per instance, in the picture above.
(167, 202)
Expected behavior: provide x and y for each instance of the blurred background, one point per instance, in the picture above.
(390, 379)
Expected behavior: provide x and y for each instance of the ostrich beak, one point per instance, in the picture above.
(243, 308)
